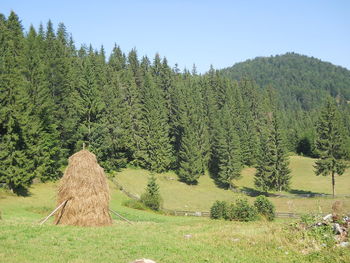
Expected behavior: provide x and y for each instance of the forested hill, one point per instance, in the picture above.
(54, 97)
(301, 81)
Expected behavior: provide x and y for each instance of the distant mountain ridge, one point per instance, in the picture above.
(301, 81)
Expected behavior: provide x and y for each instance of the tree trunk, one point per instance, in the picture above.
(333, 184)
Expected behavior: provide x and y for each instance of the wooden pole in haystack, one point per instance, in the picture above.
(114, 212)
(53, 212)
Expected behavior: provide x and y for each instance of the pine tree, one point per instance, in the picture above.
(226, 158)
(117, 59)
(113, 124)
(61, 76)
(281, 178)
(191, 133)
(17, 169)
(43, 133)
(228, 149)
(272, 165)
(151, 198)
(155, 127)
(133, 116)
(89, 103)
(246, 128)
(329, 143)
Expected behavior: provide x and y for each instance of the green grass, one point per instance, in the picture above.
(159, 237)
(179, 196)
(304, 179)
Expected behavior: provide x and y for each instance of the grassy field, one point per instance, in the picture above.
(180, 196)
(304, 179)
(159, 237)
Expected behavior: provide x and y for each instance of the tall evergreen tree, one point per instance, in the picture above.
(226, 158)
(191, 133)
(155, 126)
(228, 149)
(44, 136)
(17, 169)
(272, 165)
(133, 116)
(117, 59)
(329, 143)
(89, 102)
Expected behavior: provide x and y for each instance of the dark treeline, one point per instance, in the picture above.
(135, 111)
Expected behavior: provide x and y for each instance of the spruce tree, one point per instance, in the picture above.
(132, 100)
(43, 134)
(228, 149)
(151, 198)
(226, 158)
(272, 165)
(89, 103)
(191, 133)
(155, 128)
(61, 73)
(117, 59)
(17, 169)
(329, 143)
(113, 124)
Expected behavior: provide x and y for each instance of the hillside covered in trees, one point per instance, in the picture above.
(302, 82)
(142, 112)
(302, 86)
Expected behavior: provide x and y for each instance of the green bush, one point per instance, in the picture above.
(151, 198)
(242, 211)
(265, 207)
(218, 210)
(135, 204)
(152, 201)
(230, 212)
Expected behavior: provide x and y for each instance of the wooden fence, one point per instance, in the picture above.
(207, 214)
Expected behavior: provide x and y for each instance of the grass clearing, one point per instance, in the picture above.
(179, 196)
(159, 237)
(304, 180)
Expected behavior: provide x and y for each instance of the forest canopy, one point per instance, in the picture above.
(143, 112)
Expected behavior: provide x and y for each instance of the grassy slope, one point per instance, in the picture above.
(180, 196)
(304, 179)
(154, 236)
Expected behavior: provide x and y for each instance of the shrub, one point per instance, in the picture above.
(151, 198)
(230, 212)
(265, 207)
(242, 211)
(135, 204)
(218, 210)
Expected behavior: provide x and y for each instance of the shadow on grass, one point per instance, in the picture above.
(254, 192)
(295, 192)
(21, 191)
(213, 174)
(305, 193)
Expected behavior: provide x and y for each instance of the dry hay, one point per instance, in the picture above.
(85, 187)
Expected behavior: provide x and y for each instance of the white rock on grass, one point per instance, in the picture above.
(143, 260)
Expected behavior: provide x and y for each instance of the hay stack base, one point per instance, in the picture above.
(85, 187)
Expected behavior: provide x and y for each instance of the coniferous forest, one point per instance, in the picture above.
(143, 112)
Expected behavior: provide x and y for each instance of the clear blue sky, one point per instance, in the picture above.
(198, 31)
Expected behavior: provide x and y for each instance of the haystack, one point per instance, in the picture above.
(85, 187)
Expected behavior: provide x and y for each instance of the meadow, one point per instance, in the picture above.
(155, 236)
(161, 237)
(180, 196)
